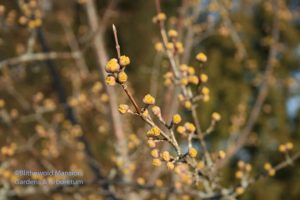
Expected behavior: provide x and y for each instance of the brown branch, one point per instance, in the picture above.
(38, 57)
(102, 59)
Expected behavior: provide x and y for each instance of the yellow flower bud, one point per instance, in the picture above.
(191, 70)
(159, 46)
(200, 165)
(239, 190)
(203, 78)
(222, 154)
(183, 67)
(112, 66)
(216, 116)
(205, 90)
(282, 148)
(155, 131)
(140, 181)
(170, 165)
(2, 103)
(172, 33)
(188, 104)
(156, 162)
(155, 153)
(248, 168)
(272, 172)
(190, 127)
(184, 81)
(267, 166)
(148, 99)
(193, 152)
(170, 46)
(97, 87)
(193, 80)
(176, 119)
(151, 143)
(180, 129)
(156, 110)
(123, 108)
(122, 77)
(124, 60)
(166, 156)
(110, 80)
(289, 146)
(239, 174)
(161, 16)
(159, 183)
(145, 114)
(201, 57)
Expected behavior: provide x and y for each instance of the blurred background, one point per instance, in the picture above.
(36, 95)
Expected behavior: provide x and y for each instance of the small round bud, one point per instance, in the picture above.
(221, 154)
(176, 119)
(282, 148)
(159, 47)
(112, 66)
(148, 99)
(216, 116)
(122, 77)
(289, 146)
(267, 166)
(156, 162)
(172, 33)
(201, 57)
(110, 80)
(239, 190)
(170, 165)
(123, 108)
(166, 156)
(203, 78)
(190, 127)
(161, 16)
(155, 153)
(180, 129)
(124, 60)
(193, 152)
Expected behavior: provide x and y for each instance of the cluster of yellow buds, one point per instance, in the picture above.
(268, 167)
(9, 150)
(185, 102)
(116, 70)
(32, 17)
(284, 148)
(243, 168)
(164, 156)
(188, 75)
